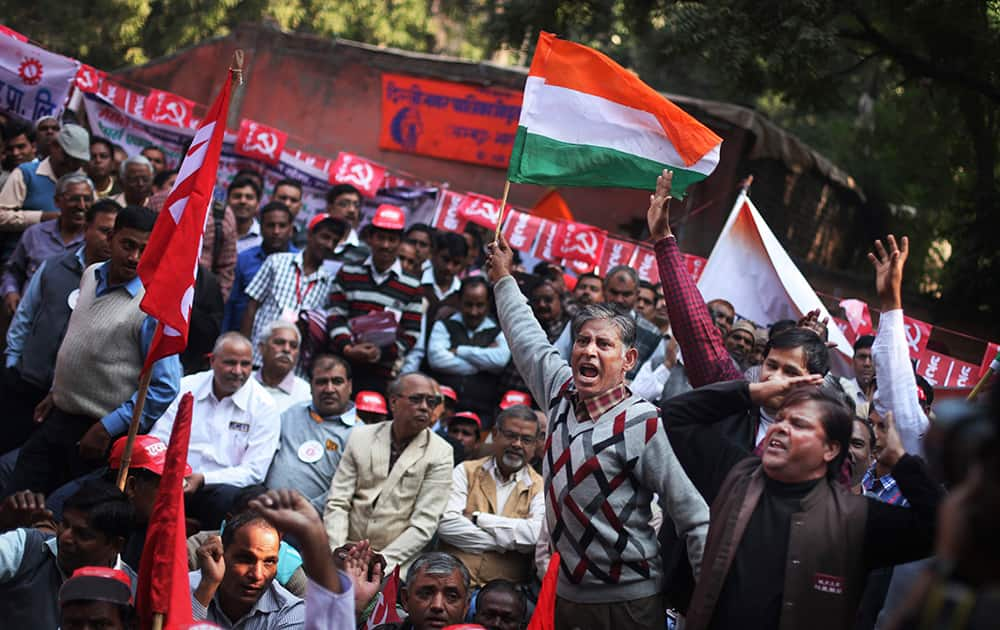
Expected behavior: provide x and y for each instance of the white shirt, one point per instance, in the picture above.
(897, 386)
(289, 391)
(428, 278)
(232, 440)
(379, 276)
(251, 239)
(350, 239)
(493, 532)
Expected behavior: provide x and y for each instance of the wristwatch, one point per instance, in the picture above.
(475, 518)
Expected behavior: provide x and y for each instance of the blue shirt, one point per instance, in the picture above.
(247, 265)
(883, 489)
(165, 379)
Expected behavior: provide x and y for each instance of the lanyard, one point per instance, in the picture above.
(299, 296)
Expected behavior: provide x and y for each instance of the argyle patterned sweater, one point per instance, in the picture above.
(600, 476)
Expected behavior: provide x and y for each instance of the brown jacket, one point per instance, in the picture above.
(824, 571)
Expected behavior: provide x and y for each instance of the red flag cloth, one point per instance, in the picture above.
(552, 206)
(385, 606)
(448, 217)
(544, 617)
(163, 571)
(858, 316)
(616, 253)
(582, 242)
(365, 175)
(170, 263)
(918, 333)
(260, 142)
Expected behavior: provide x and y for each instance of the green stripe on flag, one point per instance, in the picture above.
(540, 160)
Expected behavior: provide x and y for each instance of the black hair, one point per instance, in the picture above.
(817, 354)
(338, 226)
(242, 519)
(462, 419)
(275, 206)
(154, 148)
(452, 243)
(294, 183)
(643, 284)
(341, 189)
(421, 227)
(500, 585)
(477, 281)
(243, 182)
(15, 128)
(107, 143)
(102, 206)
(161, 178)
(107, 508)
(781, 326)
(864, 341)
(589, 274)
(320, 359)
(242, 499)
(837, 421)
(517, 412)
(869, 429)
(135, 217)
(246, 172)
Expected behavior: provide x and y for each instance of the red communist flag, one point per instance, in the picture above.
(163, 570)
(170, 263)
(545, 610)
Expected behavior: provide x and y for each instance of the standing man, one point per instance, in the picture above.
(137, 181)
(47, 130)
(243, 197)
(276, 221)
(74, 196)
(393, 481)
(101, 168)
(289, 192)
(344, 202)
(588, 290)
(97, 367)
(861, 388)
(599, 431)
(441, 281)
(421, 236)
(40, 322)
(156, 157)
(377, 285)
(313, 436)
(279, 351)
(18, 147)
(497, 504)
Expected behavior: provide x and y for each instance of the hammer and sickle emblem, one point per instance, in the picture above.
(585, 243)
(361, 174)
(264, 143)
(174, 113)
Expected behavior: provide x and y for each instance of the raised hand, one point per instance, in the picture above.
(658, 216)
(23, 509)
(814, 323)
(888, 265)
(365, 572)
(779, 385)
(892, 448)
(499, 260)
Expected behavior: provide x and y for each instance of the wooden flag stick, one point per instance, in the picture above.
(157, 621)
(503, 206)
(133, 427)
(237, 67)
(990, 371)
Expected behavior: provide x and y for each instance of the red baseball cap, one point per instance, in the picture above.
(514, 397)
(371, 401)
(448, 392)
(101, 584)
(467, 415)
(148, 452)
(389, 217)
(335, 224)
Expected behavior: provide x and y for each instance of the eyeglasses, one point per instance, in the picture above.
(432, 400)
(527, 440)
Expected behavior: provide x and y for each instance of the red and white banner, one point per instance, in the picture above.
(167, 108)
(846, 329)
(917, 335)
(947, 372)
(260, 142)
(33, 81)
(448, 217)
(481, 210)
(545, 248)
(858, 317)
(520, 230)
(616, 253)
(363, 174)
(9, 32)
(988, 357)
(695, 265)
(89, 78)
(582, 242)
(645, 265)
(123, 98)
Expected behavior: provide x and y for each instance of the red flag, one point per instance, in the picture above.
(88, 78)
(858, 316)
(645, 265)
(163, 571)
(552, 206)
(167, 108)
(616, 253)
(945, 371)
(481, 210)
(695, 265)
(520, 230)
(548, 235)
(582, 242)
(385, 605)
(365, 175)
(545, 610)
(917, 335)
(447, 217)
(170, 263)
(260, 142)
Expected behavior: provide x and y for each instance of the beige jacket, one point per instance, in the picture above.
(397, 510)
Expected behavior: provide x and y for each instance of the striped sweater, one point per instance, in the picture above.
(355, 293)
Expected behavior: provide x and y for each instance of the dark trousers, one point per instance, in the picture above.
(19, 401)
(647, 613)
(51, 456)
(210, 504)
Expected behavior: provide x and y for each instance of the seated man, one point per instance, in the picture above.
(313, 436)
(435, 594)
(279, 352)
(33, 564)
(497, 504)
(371, 407)
(393, 480)
(96, 597)
(234, 432)
(501, 605)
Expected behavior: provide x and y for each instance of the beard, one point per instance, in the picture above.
(514, 461)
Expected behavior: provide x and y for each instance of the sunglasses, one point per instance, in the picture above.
(432, 400)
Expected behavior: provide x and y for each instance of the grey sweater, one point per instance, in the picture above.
(600, 476)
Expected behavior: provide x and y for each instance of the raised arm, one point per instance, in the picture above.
(706, 359)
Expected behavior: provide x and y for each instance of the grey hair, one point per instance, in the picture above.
(516, 412)
(396, 385)
(280, 324)
(615, 313)
(438, 563)
(136, 159)
(69, 179)
(614, 271)
(226, 337)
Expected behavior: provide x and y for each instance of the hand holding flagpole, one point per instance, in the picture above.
(503, 206)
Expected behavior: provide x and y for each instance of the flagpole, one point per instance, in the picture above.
(503, 205)
(990, 371)
(157, 621)
(133, 427)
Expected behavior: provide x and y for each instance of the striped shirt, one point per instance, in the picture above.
(281, 288)
(356, 292)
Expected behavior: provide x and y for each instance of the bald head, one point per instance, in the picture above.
(232, 362)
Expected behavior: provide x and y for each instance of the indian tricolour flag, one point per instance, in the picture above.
(586, 121)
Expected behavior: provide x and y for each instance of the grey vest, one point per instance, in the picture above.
(59, 278)
(30, 599)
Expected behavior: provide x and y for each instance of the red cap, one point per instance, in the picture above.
(102, 584)
(389, 217)
(467, 415)
(147, 452)
(336, 224)
(371, 401)
(514, 397)
(448, 392)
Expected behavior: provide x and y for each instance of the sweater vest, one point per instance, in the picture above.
(41, 190)
(98, 364)
(824, 571)
(30, 599)
(59, 278)
(478, 392)
(482, 497)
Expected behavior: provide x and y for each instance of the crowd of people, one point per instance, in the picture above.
(375, 398)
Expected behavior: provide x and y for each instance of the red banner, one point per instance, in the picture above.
(9, 32)
(645, 265)
(616, 253)
(546, 246)
(89, 78)
(943, 371)
(260, 142)
(363, 174)
(991, 353)
(481, 210)
(858, 316)
(166, 108)
(695, 265)
(582, 242)
(917, 334)
(453, 121)
(520, 229)
(123, 98)
(448, 217)
(846, 329)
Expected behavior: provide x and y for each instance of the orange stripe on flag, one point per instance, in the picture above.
(575, 67)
